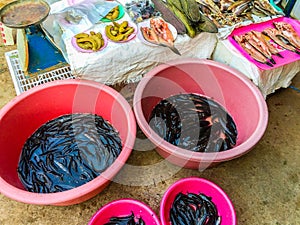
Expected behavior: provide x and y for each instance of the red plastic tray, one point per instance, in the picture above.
(288, 56)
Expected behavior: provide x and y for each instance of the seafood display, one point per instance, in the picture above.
(194, 122)
(280, 39)
(255, 53)
(126, 220)
(270, 41)
(192, 208)
(230, 12)
(159, 33)
(140, 10)
(284, 35)
(67, 152)
(92, 41)
(119, 32)
(288, 32)
(259, 37)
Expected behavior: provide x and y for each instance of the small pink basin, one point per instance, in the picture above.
(28, 111)
(230, 88)
(124, 207)
(198, 185)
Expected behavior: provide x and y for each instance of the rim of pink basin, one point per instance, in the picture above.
(200, 156)
(78, 194)
(110, 209)
(181, 185)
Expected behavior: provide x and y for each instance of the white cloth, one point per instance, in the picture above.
(128, 62)
(268, 81)
(122, 62)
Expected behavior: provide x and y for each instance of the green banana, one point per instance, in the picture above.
(191, 9)
(175, 3)
(189, 14)
(206, 25)
(191, 31)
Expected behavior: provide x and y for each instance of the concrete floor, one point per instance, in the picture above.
(264, 185)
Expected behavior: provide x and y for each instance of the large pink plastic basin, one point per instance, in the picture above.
(230, 88)
(28, 111)
(124, 207)
(198, 185)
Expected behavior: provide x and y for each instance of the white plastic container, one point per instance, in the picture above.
(7, 35)
(296, 9)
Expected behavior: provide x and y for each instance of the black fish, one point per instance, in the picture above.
(193, 209)
(194, 122)
(67, 152)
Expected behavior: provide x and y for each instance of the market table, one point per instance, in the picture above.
(119, 62)
(127, 62)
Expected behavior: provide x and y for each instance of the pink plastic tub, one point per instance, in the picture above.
(124, 207)
(28, 111)
(230, 88)
(198, 185)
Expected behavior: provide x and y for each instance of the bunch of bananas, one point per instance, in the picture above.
(113, 14)
(92, 41)
(118, 31)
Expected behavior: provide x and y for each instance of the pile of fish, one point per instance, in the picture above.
(140, 10)
(194, 122)
(256, 45)
(159, 34)
(126, 220)
(185, 16)
(67, 152)
(230, 12)
(194, 209)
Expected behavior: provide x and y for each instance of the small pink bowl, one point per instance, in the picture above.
(124, 207)
(198, 185)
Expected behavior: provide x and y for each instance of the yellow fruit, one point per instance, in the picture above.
(98, 41)
(128, 32)
(113, 14)
(123, 26)
(93, 41)
(108, 31)
(81, 35)
(85, 45)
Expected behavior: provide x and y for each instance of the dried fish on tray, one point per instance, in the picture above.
(230, 12)
(269, 44)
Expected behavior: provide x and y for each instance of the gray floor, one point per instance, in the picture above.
(263, 184)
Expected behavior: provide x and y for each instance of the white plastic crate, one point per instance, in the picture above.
(23, 83)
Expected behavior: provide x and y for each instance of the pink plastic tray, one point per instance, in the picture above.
(288, 56)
